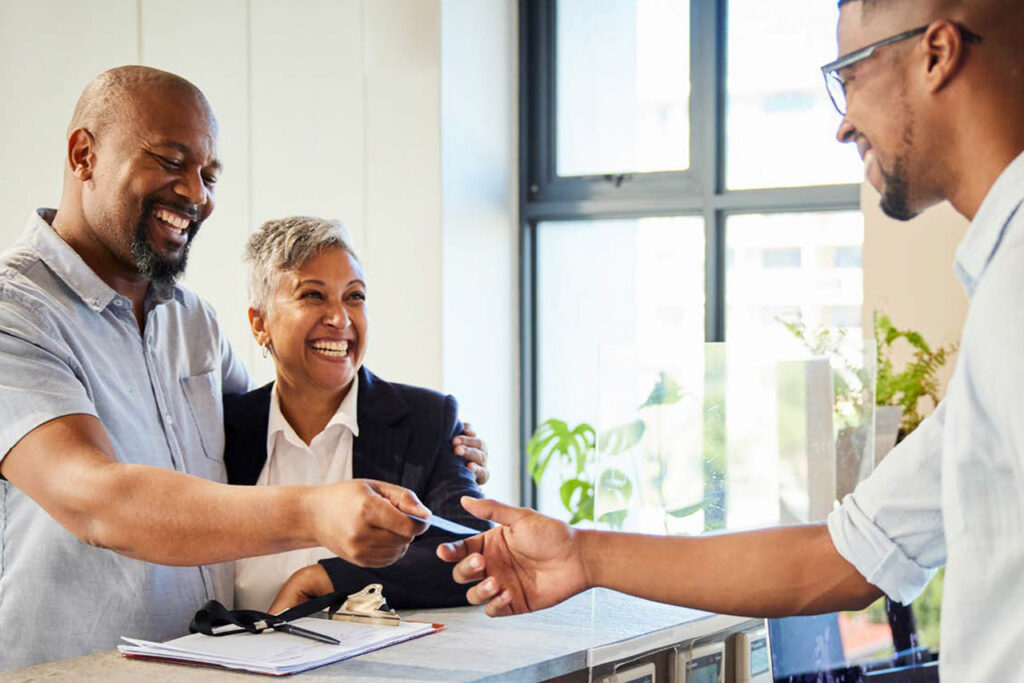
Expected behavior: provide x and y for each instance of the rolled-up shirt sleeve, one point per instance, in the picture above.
(39, 381)
(890, 527)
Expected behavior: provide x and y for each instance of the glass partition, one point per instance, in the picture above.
(733, 437)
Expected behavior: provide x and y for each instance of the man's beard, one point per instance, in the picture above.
(151, 264)
(895, 201)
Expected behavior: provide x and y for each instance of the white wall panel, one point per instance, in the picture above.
(403, 188)
(307, 110)
(480, 236)
(49, 50)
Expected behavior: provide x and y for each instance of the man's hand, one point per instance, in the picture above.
(362, 520)
(305, 584)
(529, 563)
(469, 446)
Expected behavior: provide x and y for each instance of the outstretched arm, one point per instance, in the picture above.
(532, 562)
(67, 466)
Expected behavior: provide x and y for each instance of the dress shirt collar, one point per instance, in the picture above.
(69, 266)
(345, 416)
(986, 231)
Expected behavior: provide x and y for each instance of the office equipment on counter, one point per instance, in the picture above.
(266, 644)
(368, 606)
(702, 664)
(811, 649)
(641, 673)
(752, 661)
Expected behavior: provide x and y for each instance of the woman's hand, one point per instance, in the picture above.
(305, 584)
(473, 449)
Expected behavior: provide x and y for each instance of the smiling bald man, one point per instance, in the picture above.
(113, 519)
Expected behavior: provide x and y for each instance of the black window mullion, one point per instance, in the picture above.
(707, 131)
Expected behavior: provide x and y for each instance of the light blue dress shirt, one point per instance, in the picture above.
(69, 344)
(953, 492)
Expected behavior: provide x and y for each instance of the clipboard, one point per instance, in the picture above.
(364, 627)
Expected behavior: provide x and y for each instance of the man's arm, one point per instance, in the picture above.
(532, 562)
(67, 466)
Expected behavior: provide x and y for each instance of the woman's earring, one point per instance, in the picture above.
(266, 349)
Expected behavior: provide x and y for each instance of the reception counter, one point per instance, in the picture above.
(583, 637)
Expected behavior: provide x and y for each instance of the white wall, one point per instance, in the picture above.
(480, 238)
(331, 108)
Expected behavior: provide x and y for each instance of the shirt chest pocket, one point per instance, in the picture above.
(203, 398)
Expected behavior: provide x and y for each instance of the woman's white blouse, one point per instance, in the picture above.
(290, 462)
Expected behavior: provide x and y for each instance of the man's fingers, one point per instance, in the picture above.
(481, 473)
(394, 502)
(483, 592)
(485, 508)
(469, 570)
(452, 552)
(500, 606)
(471, 449)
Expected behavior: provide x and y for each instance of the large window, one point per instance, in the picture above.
(681, 184)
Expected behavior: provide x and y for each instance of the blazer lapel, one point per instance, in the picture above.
(245, 428)
(379, 450)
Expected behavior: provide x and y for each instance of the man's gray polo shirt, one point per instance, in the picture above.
(69, 344)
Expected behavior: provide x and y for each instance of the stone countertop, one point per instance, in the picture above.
(590, 629)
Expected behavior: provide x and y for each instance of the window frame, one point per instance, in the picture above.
(699, 190)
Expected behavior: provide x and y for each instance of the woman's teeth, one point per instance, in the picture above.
(338, 349)
(177, 222)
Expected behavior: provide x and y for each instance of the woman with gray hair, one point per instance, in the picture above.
(327, 418)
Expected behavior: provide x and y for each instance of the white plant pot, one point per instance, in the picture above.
(887, 427)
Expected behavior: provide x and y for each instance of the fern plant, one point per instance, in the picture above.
(917, 380)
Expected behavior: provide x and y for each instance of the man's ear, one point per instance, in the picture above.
(946, 50)
(81, 153)
(259, 327)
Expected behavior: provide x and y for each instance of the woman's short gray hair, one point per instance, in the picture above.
(285, 244)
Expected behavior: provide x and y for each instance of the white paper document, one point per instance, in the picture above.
(275, 653)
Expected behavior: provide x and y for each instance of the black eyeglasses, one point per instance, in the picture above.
(836, 86)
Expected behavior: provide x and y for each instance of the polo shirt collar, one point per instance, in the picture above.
(986, 231)
(69, 266)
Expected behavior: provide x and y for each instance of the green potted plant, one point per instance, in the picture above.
(902, 391)
(574, 449)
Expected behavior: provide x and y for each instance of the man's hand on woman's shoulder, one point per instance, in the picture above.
(473, 449)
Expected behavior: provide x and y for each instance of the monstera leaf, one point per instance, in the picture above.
(666, 391)
(615, 490)
(679, 513)
(554, 437)
(621, 439)
(578, 497)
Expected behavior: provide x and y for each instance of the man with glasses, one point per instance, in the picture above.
(932, 94)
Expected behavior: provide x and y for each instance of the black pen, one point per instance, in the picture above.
(285, 627)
